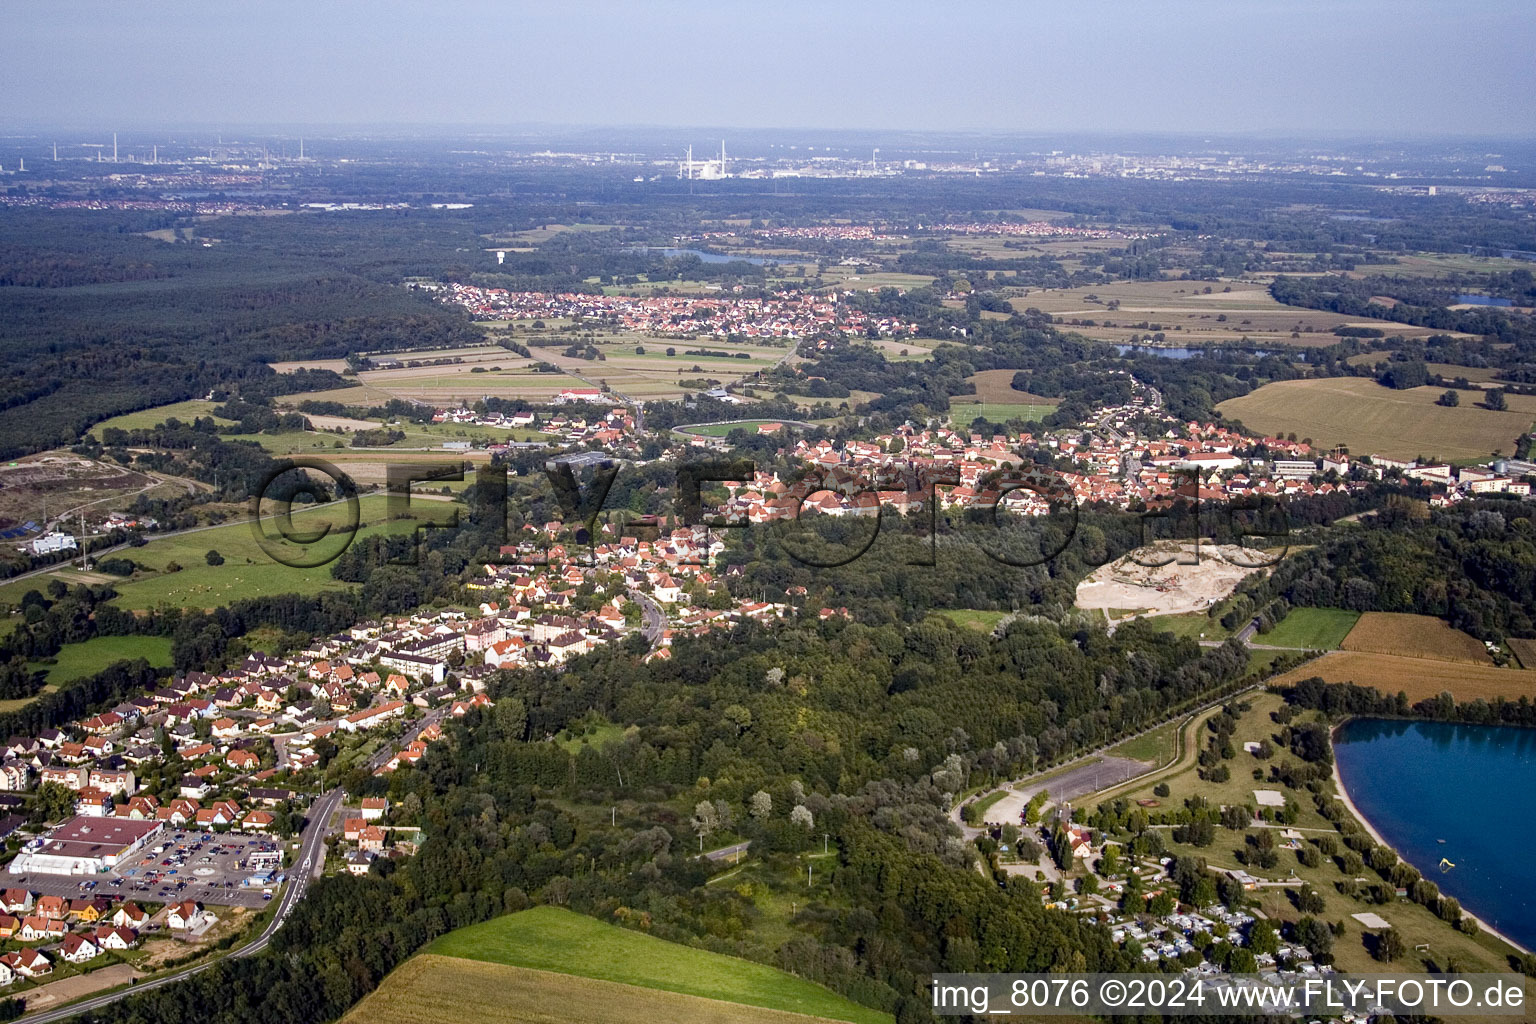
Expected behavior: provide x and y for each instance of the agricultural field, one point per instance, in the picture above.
(652, 373)
(1419, 678)
(1187, 315)
(429, 989)
(1311, 629)
(1524, 650)
(75, 661)
(1369, 418)
(551, 939)
(1414, 636)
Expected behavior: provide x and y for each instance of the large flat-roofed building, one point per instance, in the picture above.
(85, 846)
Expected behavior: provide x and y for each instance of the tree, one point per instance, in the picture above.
(1389, 946)
(761, 805)
(214, 558)
(1262, 937)
(704, 820)
(801, 816)
(1493, 398)
(54, 802)
(1449, 399)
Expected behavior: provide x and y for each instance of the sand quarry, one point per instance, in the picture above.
(1183, 585)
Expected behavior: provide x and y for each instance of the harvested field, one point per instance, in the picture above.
(1414, 636)
(1172, 588)
(1419, 678)
(430, 989)
(1525, 650)
(1369, 418)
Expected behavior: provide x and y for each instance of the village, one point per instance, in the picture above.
(797, 316)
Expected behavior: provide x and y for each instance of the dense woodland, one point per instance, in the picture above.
(1473, 565)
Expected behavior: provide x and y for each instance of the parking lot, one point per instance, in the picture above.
(182, 865)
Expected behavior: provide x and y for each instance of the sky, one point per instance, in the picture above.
(1378, 67)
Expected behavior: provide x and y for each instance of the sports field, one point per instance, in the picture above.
(1370, 418)
(1414, 636)
(551, 939)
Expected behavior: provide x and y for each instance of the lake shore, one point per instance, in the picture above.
(1343, 795)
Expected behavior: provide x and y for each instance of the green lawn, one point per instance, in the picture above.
(976, 618)
(77, 660)
(1195, 625)
(1314, 629)
(145, 419)
(249, 570)
(1158, 746)
(551, 939)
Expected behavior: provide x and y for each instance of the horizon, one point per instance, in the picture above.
(1314, 68)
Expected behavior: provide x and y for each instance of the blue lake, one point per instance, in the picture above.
(1482, 300)
(1472, 786)
(713, 257)
(1177, 352)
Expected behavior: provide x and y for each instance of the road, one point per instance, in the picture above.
(727, 851)
(311, 850)
(654, 621)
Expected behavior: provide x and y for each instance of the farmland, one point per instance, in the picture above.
(550, 939)
(1414, 636)
(1419, 678)
(1525, 650)
(431, 989)
(1370, 418)
(1187, 314)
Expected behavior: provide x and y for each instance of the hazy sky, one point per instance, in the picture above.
(1378, 66)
